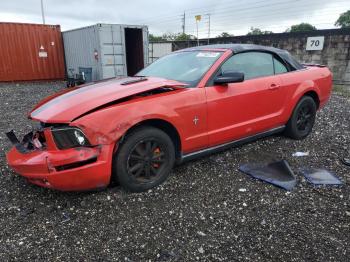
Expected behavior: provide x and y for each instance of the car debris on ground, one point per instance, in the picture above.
(277, 173)
(346, 161)
(320, 176)
(301, 153)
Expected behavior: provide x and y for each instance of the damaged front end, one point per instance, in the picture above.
(72, 148)
(60, 156)
(35, 139)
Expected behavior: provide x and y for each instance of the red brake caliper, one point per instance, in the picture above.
(156, 152)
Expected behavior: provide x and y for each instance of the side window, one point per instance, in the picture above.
(279, 67)
(252, 64)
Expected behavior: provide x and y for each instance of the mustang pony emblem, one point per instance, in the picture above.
(195, 120)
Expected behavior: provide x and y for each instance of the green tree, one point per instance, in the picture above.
(343, 20)
(302, 27)
(258, 31)
(183, 37)
(169, 36)
(225, 34)
(153, 38)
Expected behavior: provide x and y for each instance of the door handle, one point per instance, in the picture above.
(274, 87)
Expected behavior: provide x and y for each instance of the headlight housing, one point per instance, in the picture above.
(69, 137)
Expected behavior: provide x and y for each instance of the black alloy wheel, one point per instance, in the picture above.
(302, 119)
(144, 160)
(305, 118)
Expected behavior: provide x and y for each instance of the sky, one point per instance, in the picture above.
(235, 17)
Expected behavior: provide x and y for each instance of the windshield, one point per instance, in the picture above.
(187, 67)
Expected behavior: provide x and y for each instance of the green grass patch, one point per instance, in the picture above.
(342, 90)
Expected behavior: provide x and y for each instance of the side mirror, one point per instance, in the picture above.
(229, 77)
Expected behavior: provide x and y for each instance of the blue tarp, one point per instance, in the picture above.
(318, 176)
(277, 173)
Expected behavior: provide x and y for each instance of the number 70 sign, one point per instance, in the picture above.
(315, 43)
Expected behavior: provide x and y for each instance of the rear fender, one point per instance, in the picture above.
(299, 92)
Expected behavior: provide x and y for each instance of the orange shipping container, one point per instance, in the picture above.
(31, 52)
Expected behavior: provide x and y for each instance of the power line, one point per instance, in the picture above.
(256, 21)
(270, 15)
(240, 14)
(290, 11)
(273, 27)
(259, 23)
(233, 10)
(195, 12)
(274, 15)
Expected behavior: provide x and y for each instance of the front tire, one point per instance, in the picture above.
(144, 160)
(303, 118)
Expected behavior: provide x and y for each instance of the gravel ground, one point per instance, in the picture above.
(200, 213)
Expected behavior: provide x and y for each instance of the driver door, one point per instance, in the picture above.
(239, 110)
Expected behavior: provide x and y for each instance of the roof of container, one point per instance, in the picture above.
(103, 24)
(27, 24)
(239, 48)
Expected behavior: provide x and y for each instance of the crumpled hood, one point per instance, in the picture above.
(68, 105)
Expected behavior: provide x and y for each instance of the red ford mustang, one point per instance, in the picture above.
(184, 105)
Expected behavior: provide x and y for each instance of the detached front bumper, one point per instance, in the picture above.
(74, 169)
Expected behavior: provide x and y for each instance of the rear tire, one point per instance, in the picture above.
(303, 118)
(144, 160)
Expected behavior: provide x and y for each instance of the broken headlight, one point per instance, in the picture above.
(69, 137)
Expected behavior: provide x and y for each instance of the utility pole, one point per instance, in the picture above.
(208, 27)
(198, 18)
(42, 11)
(197, 34)
(184, 23)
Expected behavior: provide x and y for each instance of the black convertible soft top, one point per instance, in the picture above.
(240, 48)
